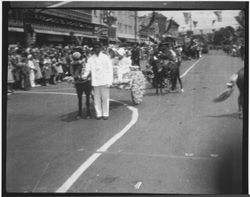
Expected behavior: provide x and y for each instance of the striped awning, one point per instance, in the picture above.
(62, 33)
(15, 29)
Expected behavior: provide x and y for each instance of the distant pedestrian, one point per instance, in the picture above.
(59, 70)
(54, 72)
(10, 77)
(242, 52)
(32, 70)
(25, 74)
(174, 66)
(46, 70)
(101, 69)
(124, 64)
(135, 55)
(38, 73)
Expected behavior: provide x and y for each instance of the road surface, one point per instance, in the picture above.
(174, 143)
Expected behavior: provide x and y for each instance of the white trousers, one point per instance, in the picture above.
(32, 78)
(101, 100)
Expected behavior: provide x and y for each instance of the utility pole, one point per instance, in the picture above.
(135, 26)
(191, 24)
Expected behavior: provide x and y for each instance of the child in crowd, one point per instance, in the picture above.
(10, 77)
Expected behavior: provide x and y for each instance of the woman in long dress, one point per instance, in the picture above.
(10, 77)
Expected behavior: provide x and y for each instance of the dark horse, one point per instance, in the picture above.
(159, 70)
(167, 67)
(81, 86)
(238, 79)
(174, 68)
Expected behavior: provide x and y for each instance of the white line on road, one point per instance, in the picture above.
(59, 4)
(72, 179)
(59, 93)
(185, 73)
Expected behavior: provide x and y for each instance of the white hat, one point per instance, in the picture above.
(121, 51)
(29, 56)
(76, 55)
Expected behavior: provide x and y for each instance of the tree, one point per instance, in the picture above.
(218, 37)
(241, 20)
(28, 19)
(28, 15)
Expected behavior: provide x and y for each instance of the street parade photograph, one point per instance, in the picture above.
(124, 97)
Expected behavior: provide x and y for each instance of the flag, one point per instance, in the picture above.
(152, 20)
(187, 17)
(218, 14)
(108, 17)
(195, 23)
(151, 39)
(169, 25)
(213, 22)
(240, 21)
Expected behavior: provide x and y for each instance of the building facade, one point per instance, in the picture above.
(65, 26)
(121, 25)
(57, 26)
(127, 26)
(155, 26)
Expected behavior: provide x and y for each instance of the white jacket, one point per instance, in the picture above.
(101, 70)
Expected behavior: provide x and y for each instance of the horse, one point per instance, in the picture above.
(174, 69)
(81, 86)
(238, 79)
(159, 73)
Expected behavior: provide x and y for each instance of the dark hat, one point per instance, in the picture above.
(97, 45)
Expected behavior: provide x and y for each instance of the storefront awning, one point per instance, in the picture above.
(127, 39)
(16, 29)
(114, 40)
(84, 35)
(131, 40)
(51, 32)
(62, 33)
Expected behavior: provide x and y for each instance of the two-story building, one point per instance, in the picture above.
(155, 26)
(57, 26)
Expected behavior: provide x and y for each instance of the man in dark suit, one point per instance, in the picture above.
(135, 55)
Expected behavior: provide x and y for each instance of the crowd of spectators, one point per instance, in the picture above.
(49, 65)
(36, 66)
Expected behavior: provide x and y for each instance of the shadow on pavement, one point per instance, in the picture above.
(232, 115)
(71, 117)
(115, 104)
(229, 176)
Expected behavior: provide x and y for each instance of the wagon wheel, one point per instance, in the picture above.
(167, 84)
(137, 87)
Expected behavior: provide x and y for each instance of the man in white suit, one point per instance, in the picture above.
(101, 69)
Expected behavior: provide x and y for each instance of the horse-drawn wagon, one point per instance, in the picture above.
(165, 62)
(132, 80)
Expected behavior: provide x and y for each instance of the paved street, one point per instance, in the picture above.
(179, 143)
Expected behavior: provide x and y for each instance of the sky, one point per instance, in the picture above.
(204, 19)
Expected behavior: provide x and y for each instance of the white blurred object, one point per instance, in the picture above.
(138, 185)
(121, 51)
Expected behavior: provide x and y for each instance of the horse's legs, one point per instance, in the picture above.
(173, 81)
(161, 85)
(180, 82)
(156, 84)
(88, 94)
(240, 104)
(79, 91)
(240, 85)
